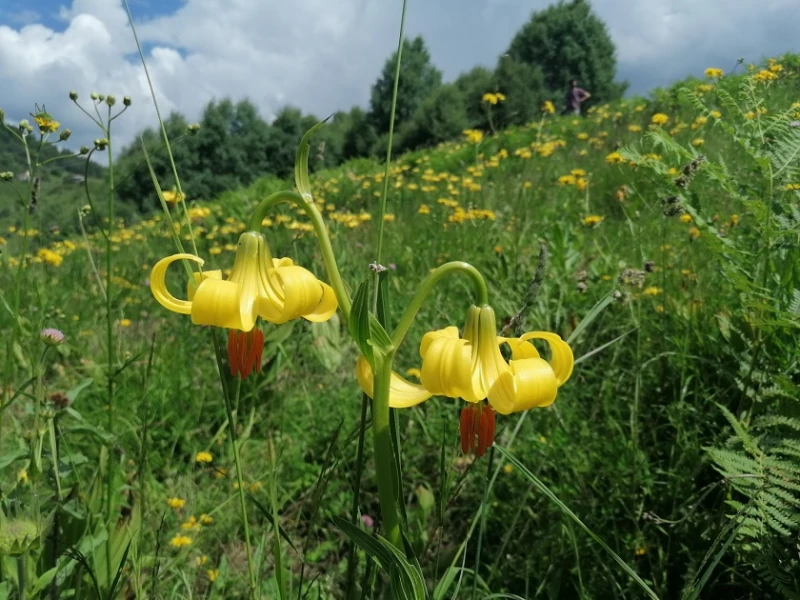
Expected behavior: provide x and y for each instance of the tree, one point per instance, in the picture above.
(418, 78)
(360, 136)
(523, 86)
(567, 41)
(441, 117)
(473, 85)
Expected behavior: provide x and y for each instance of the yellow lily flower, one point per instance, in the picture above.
(276, 290)
(472, 367)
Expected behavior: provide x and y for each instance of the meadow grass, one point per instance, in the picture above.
(668, 257)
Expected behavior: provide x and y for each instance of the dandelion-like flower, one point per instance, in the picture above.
(203, 457)
(176, 502)
(548, 107)
(52, 336)
(179, 541)
(659, 119)
(713, 73)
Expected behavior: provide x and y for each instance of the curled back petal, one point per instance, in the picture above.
(535, 383)
(223, 304)
(496, 376)
(447, 366)
(519, 348)
(191, 286)
(158, 284)
(292, 292)
(402, 393)
(561, 360)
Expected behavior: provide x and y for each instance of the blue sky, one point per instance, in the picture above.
(323, 55)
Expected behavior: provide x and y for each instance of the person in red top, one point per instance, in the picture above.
(575, 96)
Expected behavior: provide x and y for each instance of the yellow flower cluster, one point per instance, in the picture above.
(493, 98)
(548, 107)
(659, 119)
(474, 136)
(714, 73)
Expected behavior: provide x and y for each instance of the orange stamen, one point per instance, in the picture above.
(244, 352)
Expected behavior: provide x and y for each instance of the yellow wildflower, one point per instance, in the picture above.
(46, 123)
(413, 372)
(50, 257)
(659, 119)
(652, 291)
(124, 322)
(694, 233)
(424, 209)
(613, 158)
(684, 218)
(203, 457)
(172, 196)
(634, 128)
(592, 220)
(212, 574)
(548, 107)
(714, 73)
(206, 519)
(180, 540)
(473, 135)
(176, 502)
(697, 142)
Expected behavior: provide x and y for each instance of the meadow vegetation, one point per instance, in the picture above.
(659, 237)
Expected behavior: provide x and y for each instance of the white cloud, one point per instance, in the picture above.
(323, 58)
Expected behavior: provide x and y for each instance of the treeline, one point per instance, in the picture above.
(233, 144)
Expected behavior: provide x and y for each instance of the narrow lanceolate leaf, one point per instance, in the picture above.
(565, 509)
(359, 324)
(301, 179)
(407, 582)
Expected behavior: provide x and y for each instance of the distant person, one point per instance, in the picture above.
(575, 96)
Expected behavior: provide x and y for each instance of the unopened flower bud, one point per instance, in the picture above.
(101, 144)
(6, 176)
(126, 101)
(64, 135)
(94, 96)
(73, 95)
(111, 100)
(24, 124)
(2, 115)
(193, 128)
(84, 150)
(51, 336)
(101, 97)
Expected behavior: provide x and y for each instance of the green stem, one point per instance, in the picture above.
(427, 285)
(240, 481)
(110, 343)
(351, 552)
(322, 236)
(22, 575)
(381, 223)
(384, 453)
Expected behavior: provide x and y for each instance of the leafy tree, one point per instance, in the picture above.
(567, 41)
(524, 89)
(418, 79)
(442, 116)
(473, 85)
(360, 137)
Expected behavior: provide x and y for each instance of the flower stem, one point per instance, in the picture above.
(240, 481)
(384, 453)
(22, 575)
(427, 285)
(320, 231)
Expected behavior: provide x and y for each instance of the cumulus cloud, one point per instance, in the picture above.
(323, 56)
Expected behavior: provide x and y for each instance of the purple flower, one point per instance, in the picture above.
(368, 521)
(51, 336)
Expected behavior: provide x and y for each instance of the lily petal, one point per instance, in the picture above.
(158, 284)
(402, 393)
(562, 360)
(292, 291)
(446, 365)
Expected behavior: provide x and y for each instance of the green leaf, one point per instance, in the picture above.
(565, 509)
(406, 578)
(301, 162)
(589, 318)
(42, 582)
(359, 324)
(10, 457)
(73, 393)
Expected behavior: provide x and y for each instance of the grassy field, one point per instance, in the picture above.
(665, 236)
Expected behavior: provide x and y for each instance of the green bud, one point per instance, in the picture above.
(101, 144)
(24, 124)
(111, 100)
(64, 136)
(94, 95)
(85, 209)
(193, 128)
(101, 97)
(17, 536)
(6, 176)
(2, 116)
(73, 96)
(126, 101)
(84, 150)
